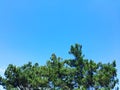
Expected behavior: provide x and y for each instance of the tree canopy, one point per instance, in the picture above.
(75, 73)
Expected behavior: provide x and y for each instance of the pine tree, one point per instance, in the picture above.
(77, 73)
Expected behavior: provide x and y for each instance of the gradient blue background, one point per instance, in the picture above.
(31, 30)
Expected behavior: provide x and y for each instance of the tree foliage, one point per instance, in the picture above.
(77, 73)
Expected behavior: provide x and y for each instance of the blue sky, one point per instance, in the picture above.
(31, 30)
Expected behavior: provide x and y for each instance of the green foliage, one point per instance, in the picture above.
(77, 73)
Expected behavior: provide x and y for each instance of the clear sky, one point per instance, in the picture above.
(31, 30)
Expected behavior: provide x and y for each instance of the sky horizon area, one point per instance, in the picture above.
(33, 30)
